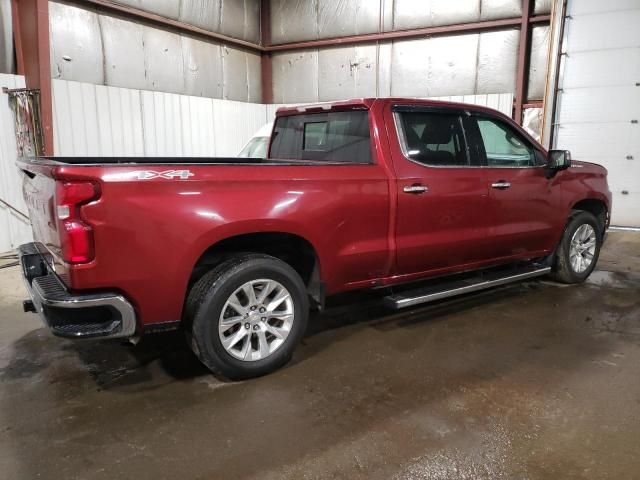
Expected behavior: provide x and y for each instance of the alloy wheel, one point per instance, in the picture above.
(256, 320)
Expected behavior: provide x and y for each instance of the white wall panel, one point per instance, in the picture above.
(595, 68)
(625, 208)
(234, 124)
(599, 99)
(198, 127)
(14, 229)
(95, 120)
(606, 30)
(601, 142)
(583, 7)
(600, 104)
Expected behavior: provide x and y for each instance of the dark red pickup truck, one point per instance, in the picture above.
(369, 193)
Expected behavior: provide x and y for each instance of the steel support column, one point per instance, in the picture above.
(524, 50)
(266, 64)
(31, 37)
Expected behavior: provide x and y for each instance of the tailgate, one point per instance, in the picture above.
(38, 188)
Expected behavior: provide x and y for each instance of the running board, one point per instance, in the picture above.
(452, 288)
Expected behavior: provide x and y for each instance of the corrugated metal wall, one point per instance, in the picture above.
(14, 228)
(319, 19)
(87, 46)
(234, 18)
(7, 62)
(466, 64)
(102, 121)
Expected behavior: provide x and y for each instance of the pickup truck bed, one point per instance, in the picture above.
(361, 194)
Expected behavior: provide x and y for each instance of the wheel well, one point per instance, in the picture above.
(595, 207)
(291, 249)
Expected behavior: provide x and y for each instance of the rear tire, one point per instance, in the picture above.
(579, 249)
(247, 315)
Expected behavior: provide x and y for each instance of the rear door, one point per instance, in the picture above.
(441, 190)
(523, 214)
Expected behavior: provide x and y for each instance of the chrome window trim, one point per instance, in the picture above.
(403, 146)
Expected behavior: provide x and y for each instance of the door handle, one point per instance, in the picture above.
(416, 189)
(501, 185)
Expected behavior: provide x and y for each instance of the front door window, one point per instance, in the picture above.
(503, 146)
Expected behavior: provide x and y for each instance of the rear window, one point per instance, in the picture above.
(334, 137)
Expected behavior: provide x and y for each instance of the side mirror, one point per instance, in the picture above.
(558, 160)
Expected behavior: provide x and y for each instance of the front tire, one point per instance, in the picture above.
(247, 315)
(579, 249)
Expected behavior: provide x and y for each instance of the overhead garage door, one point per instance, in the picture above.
(599, 97)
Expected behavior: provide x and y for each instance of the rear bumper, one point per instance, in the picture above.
(94, 315)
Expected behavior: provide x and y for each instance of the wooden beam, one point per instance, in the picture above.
(522, 70)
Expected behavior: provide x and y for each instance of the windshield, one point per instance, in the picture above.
(255, 148)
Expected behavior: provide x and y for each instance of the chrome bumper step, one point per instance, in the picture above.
(69, 315)
(440, 289)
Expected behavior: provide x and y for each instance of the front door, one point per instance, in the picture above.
(523, 214)
(442, 192)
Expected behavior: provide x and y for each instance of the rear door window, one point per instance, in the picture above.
(433, 139)
(333, 137)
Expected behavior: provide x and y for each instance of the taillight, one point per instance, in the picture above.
(76, 236)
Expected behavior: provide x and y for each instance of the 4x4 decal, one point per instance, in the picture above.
(168, 174)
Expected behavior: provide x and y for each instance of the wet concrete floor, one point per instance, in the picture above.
(536, 380)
